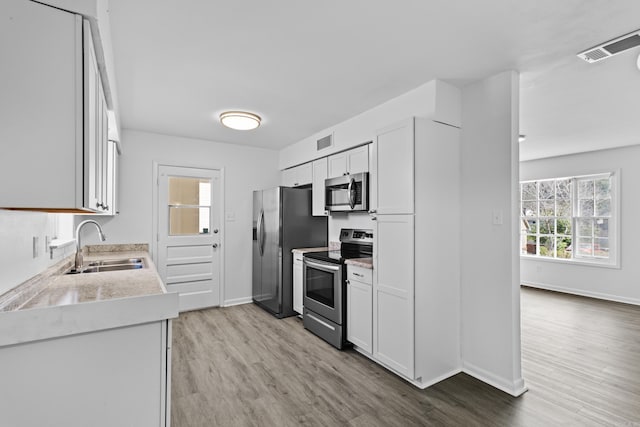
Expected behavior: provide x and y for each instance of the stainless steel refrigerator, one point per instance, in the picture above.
(282, 221)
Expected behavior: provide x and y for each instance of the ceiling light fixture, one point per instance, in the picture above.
(521, 138)
(240, 120)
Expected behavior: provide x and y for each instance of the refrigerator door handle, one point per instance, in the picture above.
(260, 226)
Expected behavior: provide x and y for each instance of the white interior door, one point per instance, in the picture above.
(188, 235)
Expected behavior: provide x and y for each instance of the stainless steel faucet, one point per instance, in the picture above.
(79, 260)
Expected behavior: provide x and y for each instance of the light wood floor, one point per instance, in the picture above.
(239, 366)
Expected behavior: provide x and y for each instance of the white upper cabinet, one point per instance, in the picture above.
(349, 162)
(394, 169)
(95, 131)
(44, 121)
(298, 175)
(320, 168)
(112, 179)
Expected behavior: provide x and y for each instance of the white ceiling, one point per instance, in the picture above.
(304, 66)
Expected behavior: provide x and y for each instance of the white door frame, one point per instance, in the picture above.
(154, 208)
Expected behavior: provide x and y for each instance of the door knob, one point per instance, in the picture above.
(215, 245)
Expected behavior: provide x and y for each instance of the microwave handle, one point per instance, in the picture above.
(352, 197)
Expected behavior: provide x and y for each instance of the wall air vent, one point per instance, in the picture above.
(324, 142)
(611, 48)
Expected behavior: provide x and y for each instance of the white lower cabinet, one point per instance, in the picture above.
(113, 377)
(359, 308)
(393, 293)
(297, 282)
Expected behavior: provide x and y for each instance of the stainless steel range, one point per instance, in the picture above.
(325, 290)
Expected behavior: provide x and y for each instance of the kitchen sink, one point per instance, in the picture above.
(110, 265)
(127, 261)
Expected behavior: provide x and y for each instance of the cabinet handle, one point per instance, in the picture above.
(295, 184)
(348, 282)
(373, 218)
(105, 207)
(358, 274)
(372, 211)
(215, 245)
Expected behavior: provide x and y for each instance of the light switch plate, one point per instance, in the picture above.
(498, 217)
(230, 216)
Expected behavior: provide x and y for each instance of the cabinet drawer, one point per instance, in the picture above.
(359, 274)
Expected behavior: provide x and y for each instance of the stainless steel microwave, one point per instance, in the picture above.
(348, 193)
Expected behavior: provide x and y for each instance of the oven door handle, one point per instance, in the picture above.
(323, 267)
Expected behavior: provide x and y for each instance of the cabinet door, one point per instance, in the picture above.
(298, 175)
(297, 283)
(93, 117)
(40, 106)
(338, 165)
(112, 180)
(317, 187)
(358, 160)
(359, 314)
(288, 177)
(394, 157)
(304, 174)
(393, 297)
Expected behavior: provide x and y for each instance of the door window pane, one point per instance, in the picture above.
(189, 205)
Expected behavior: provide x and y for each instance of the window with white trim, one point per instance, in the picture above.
(571, 218)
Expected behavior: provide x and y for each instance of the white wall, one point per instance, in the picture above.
(490, 294)
(600, 282)
(338, 221)
(17, 230)
(362, 128)
(245, 169)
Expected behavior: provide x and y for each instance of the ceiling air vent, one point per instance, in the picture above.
(325, 142)
(611, 48)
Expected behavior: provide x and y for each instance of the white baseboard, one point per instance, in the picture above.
(582, 293)
(436, 380)
(515, 388)
(419, 384)
(237, 301)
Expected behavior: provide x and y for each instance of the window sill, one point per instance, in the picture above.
(614, 265)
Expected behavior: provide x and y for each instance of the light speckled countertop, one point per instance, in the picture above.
(360, 262)
(53, 304)
(307, 250)
(87, 287)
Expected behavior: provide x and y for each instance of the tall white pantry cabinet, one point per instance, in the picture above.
(415, 197)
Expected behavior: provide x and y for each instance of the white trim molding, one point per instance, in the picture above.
(237, 301)
(582, 292)
(515, 388)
